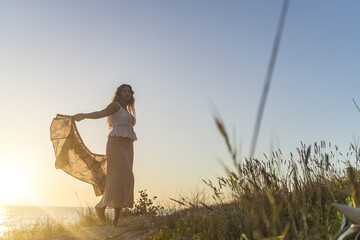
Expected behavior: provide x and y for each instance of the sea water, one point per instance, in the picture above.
(26, 216)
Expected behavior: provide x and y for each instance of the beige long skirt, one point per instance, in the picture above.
(119, 188)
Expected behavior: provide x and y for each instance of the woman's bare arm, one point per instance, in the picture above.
(110, 109)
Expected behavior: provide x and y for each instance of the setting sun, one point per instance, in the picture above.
(14, 183)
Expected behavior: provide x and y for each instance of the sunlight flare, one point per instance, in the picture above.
(14, 182)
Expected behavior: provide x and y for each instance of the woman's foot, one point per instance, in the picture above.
(116, 217)
(100, 212)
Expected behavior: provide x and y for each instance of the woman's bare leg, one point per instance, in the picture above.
(100, 212)
(116, 217)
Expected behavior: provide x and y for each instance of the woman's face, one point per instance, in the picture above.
(126, 93)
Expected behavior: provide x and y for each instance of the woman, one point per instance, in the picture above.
(119, 188)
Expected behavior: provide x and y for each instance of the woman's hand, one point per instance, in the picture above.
(78, 117)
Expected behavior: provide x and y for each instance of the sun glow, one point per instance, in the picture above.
(14, 183)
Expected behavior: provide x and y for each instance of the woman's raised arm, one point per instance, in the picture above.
(110, 109)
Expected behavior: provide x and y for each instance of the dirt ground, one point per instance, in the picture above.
(128, 228)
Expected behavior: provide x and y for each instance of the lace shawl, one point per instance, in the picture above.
(73, 157)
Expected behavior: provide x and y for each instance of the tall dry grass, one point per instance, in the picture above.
(274, 197)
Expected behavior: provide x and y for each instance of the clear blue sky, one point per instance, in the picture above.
(182, 58)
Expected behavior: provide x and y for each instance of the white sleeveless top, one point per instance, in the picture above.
(123, 123)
